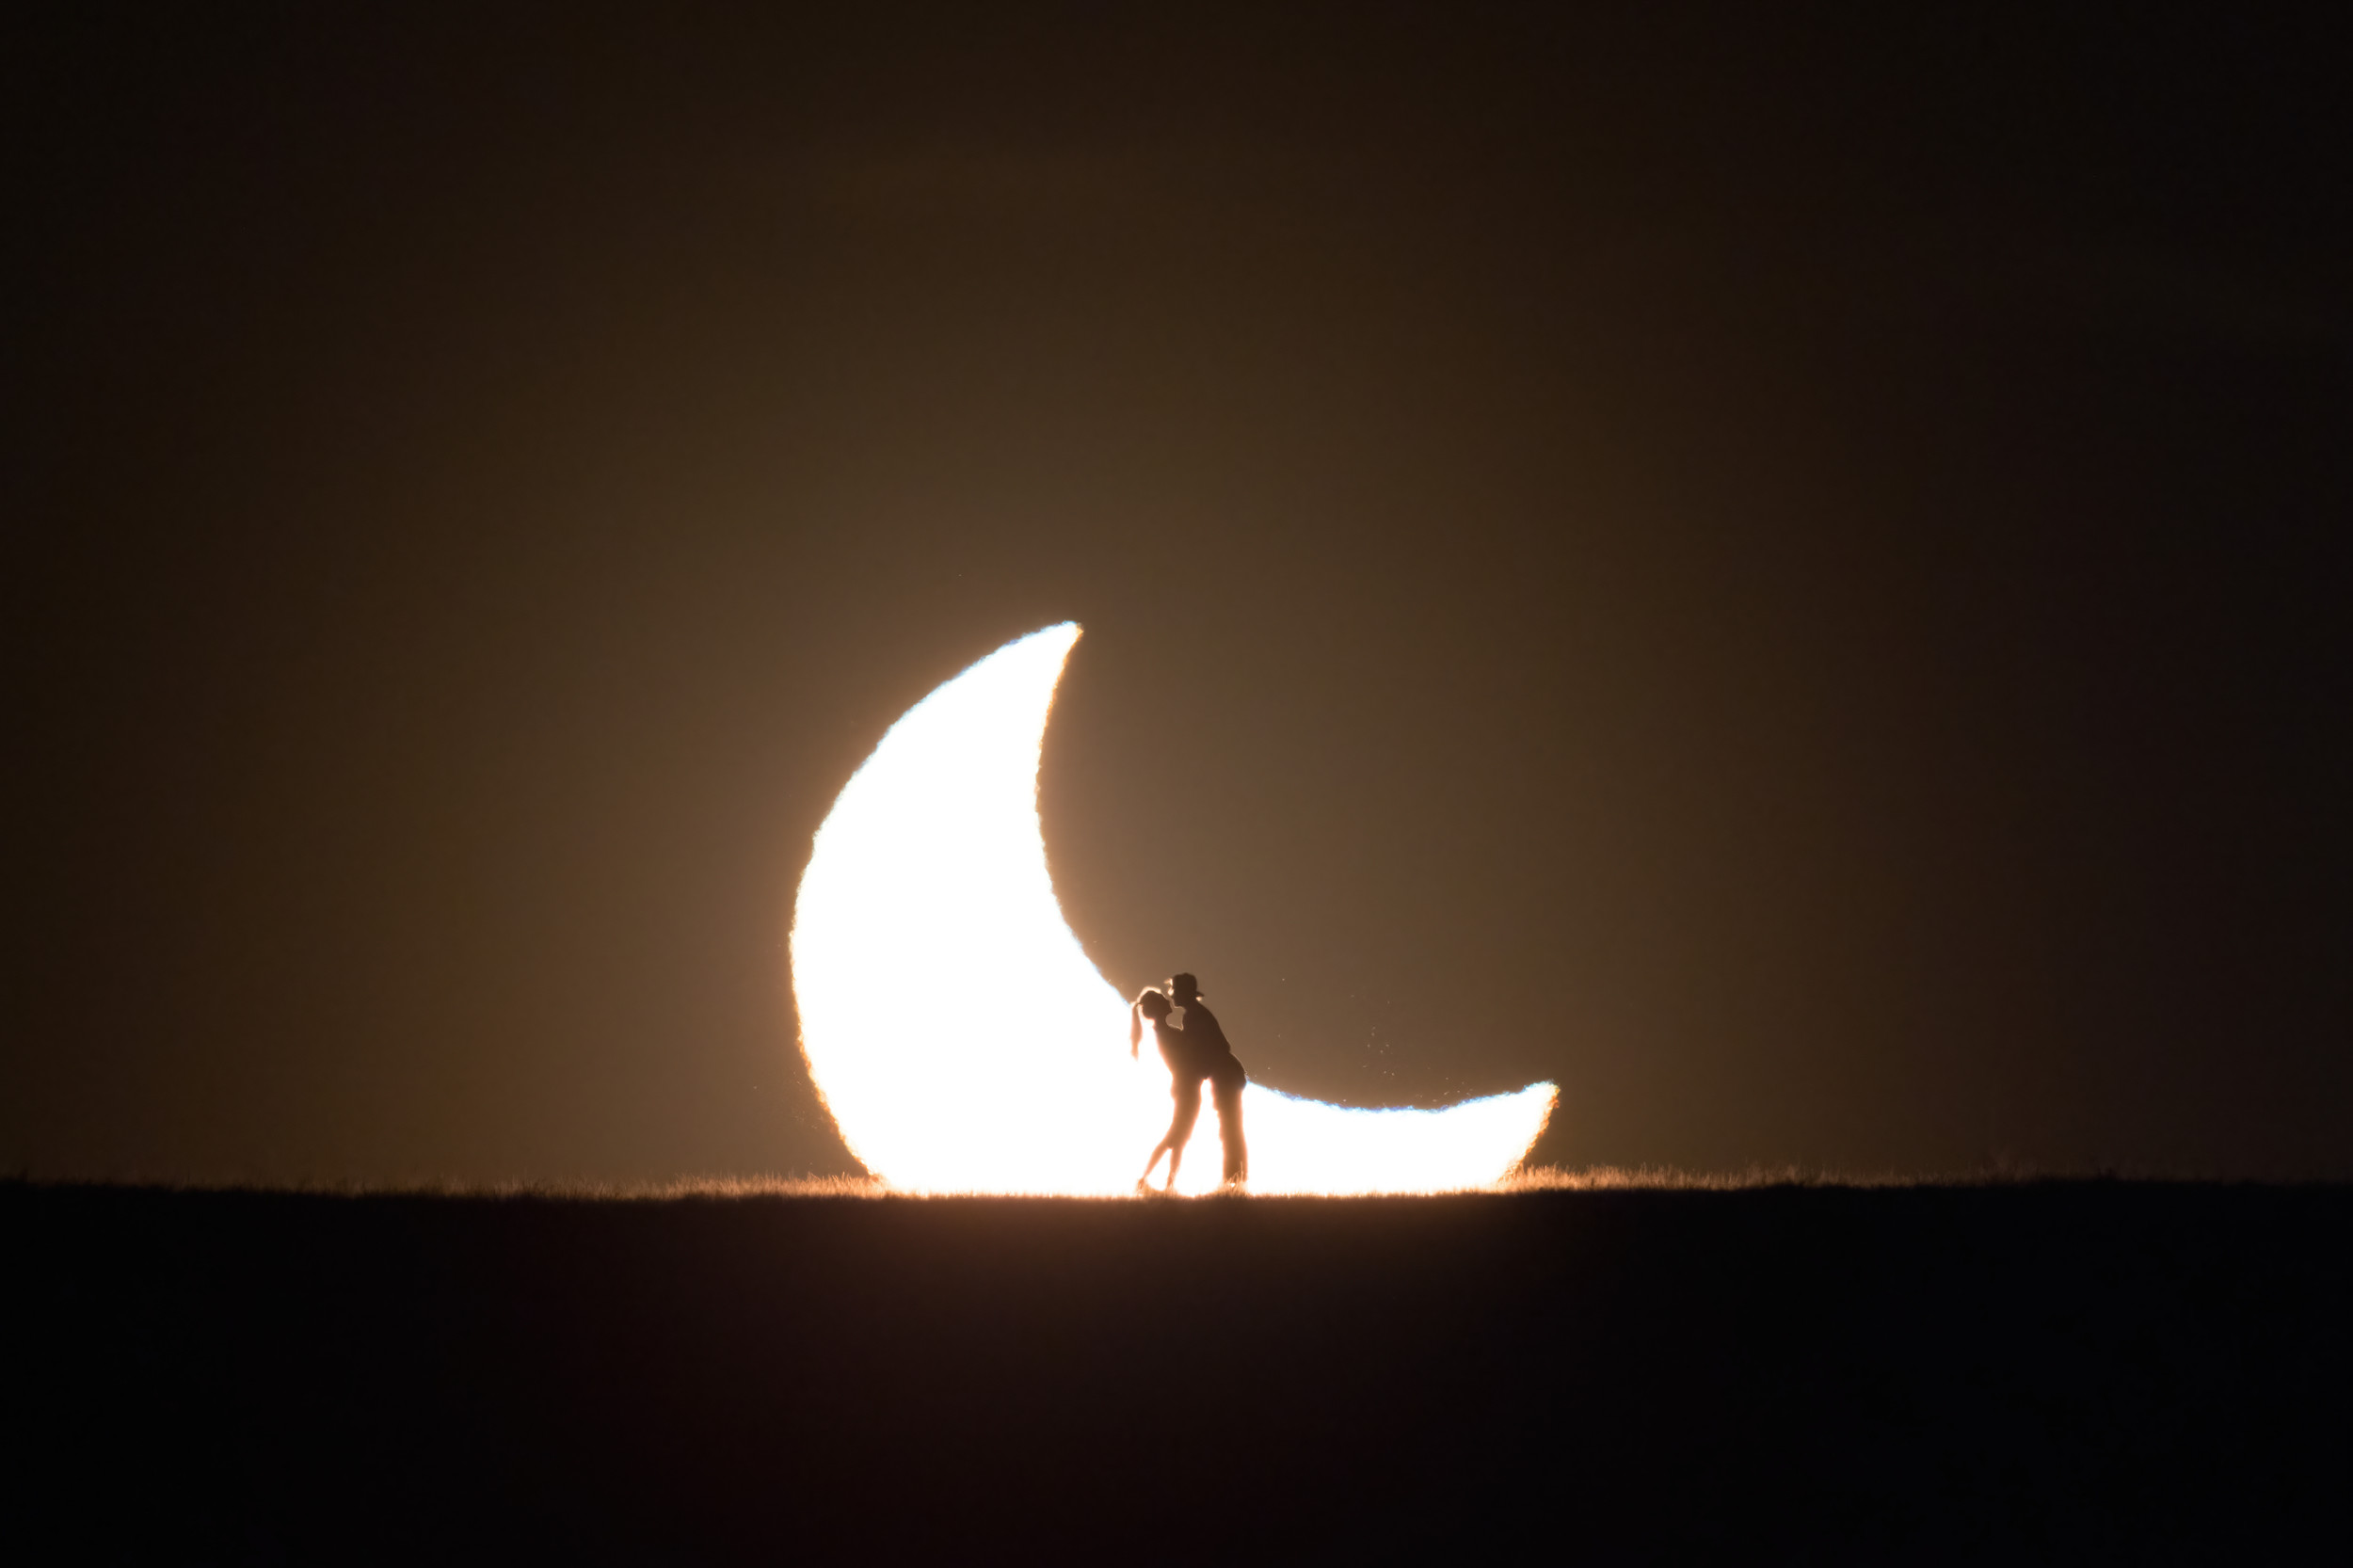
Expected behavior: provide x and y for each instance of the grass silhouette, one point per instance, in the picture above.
(1617, 1365)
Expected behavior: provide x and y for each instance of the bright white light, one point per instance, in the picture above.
(959, 1034)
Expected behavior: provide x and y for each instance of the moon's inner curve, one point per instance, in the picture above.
(958, 1032)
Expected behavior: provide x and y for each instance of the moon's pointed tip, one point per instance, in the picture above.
(1057, 638)
(1061, 639)
(1549, 1092)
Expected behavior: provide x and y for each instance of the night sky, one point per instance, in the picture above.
(1790, 575)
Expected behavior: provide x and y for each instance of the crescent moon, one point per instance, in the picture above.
(960, 1036)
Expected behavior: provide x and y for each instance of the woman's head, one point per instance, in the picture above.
(1152, 1004)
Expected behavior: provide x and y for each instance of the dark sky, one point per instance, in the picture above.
(1790, 575)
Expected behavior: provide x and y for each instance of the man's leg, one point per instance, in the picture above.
(1228, 1086)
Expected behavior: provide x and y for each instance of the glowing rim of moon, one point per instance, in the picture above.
(958, 1034)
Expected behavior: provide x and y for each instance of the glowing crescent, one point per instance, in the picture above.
(959, 1034)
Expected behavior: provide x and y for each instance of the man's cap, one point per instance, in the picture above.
(1184, 985)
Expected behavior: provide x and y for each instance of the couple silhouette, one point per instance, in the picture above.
(1194, 1049)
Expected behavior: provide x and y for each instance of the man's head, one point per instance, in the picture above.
(1184, 990)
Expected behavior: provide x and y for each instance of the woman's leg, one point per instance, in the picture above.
(1180, 1127)
(1180, 1130)
(1188, 1095)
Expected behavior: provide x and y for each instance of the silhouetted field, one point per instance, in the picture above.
(2039, 1371)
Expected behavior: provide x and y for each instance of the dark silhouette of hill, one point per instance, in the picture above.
(2034, 1373)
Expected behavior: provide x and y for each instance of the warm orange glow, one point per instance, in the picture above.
(961, 1038)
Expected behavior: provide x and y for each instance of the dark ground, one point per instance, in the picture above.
(2052, 1371)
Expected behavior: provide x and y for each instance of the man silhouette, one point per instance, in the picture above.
(1213, 1057)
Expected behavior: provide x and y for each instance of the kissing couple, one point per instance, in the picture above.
(1194, 1049)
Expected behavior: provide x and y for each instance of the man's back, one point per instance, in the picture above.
(1201, 1030)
